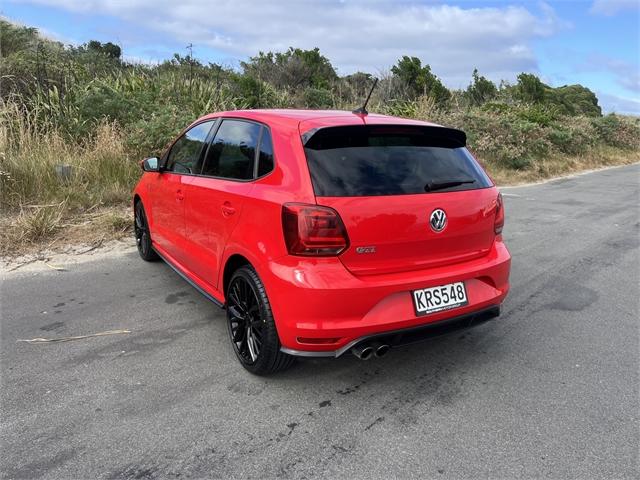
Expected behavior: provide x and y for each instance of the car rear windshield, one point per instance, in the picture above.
(390, 160)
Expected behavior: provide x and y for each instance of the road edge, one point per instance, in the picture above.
(564, 177)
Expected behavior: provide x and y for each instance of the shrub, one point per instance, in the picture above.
(39, 222)
(617, 131)
(317, 98)
(148, 136)
(538, 114)
(481, 89)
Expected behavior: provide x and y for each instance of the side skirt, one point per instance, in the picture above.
(207, 295)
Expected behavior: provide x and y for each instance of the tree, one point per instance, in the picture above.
(359, 84)
(420, 80)
(109, 49)
(575, 100)
(480, 90)
(112, 50)
(295, 68)
(410, 71)
(530, 88)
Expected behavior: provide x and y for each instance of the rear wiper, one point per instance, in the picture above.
(432, 186)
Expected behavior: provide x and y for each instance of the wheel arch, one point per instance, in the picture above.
(139, 195)
(232, 263)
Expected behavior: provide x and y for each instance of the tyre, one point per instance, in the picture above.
(142, 234)
(251, 325)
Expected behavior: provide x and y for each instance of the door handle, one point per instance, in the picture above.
(227, 209)
(179, 195)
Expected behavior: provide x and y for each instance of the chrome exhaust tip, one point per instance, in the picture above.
(363, 352)
(382, 350)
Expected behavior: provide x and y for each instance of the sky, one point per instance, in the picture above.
(595, 43)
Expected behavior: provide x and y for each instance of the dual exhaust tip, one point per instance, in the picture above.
(367, 350)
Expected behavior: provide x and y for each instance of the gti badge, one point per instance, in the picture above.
(438, 220)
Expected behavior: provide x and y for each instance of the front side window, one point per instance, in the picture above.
(232, 153)
(185, 155)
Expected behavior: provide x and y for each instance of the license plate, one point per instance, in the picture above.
(436, 299)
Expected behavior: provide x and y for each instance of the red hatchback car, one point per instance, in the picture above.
(324, 232)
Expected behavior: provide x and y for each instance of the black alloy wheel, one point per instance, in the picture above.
(141, 232)
(251, 325)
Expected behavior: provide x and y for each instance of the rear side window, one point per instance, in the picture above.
(232, 152)
(265, 160)
(185, 154)
(390, 160)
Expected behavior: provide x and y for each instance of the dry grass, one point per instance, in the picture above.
(33, 230)
(99, 169)
(558, 165)
(39, 222)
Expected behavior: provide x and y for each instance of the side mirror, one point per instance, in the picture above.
(150, 164)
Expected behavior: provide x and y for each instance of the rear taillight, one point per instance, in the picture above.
(313, 230)
(499, 222)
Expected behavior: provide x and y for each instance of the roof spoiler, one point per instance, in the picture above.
(440, 136)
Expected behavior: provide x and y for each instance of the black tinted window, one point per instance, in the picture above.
(185, 155)
(233, 150)
(265, 161)
(371, 160)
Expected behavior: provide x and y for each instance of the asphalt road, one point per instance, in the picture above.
(548, 390)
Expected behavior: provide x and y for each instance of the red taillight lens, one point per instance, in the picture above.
(499, 223)
(313, 230)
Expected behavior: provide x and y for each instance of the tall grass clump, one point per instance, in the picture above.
(97, 169)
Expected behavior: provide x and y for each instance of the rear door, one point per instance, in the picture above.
(410, 197)
(216, 197)
(169, 189)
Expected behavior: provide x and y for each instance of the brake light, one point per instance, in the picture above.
(313, 230)
(499, 222)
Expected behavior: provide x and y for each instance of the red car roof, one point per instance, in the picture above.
(305, 120)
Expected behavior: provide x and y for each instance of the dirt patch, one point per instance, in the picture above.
(64, 258)
(43, 229)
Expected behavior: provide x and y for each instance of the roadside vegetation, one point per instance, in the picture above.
(75, 121)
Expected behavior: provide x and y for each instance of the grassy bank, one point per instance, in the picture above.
(90, 205)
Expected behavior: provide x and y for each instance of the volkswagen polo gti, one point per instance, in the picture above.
(324, 232)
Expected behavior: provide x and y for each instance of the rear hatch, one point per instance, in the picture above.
(386, 182)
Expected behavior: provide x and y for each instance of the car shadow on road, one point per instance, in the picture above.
(439, 369)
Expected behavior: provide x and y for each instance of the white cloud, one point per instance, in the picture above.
(614, 103)
(627, 75)
(353, 34)
(612, 7)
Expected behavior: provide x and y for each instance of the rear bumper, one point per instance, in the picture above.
(408, 336)
(321, 309)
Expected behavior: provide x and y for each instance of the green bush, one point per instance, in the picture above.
(495, 107)
(617, 131)
(317, 98)
(150, 135)
(538, 114)
(519, 162)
